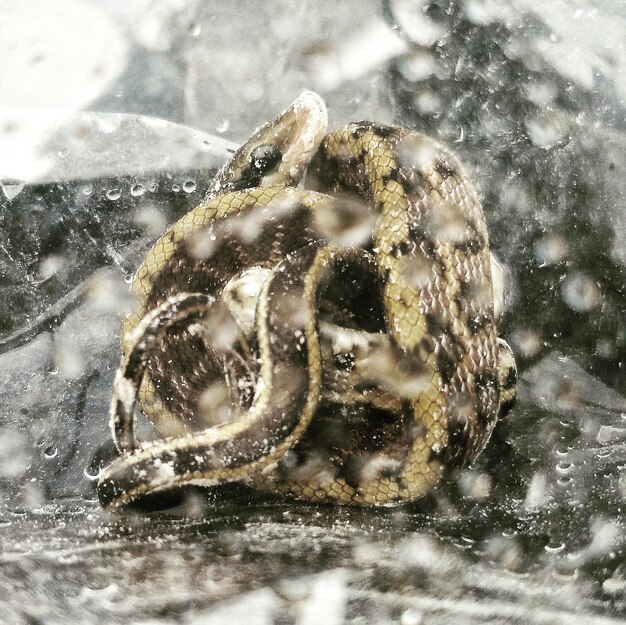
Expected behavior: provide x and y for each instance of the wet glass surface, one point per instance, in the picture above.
(529, 94)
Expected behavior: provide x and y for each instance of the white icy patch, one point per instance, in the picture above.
(314, 599)
(582, 39)
(58, 55)
(362, 52)
(33, 140)
(14, 456)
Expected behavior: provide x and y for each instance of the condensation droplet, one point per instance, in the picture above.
(50, 452)
(527, 341)
(189, 186)
(564, 467)
(92, 473)
(87, 190)
(554, 548)
(137, 190)
(113, 194)
(151, 218)
(176, 188)
(411, 617)
(550, 249)
(50, 266)
(580, 292)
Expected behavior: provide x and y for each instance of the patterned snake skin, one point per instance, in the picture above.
(332, 341)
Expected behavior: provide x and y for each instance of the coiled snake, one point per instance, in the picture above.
(335, 341)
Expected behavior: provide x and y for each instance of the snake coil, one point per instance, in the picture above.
(335, 340)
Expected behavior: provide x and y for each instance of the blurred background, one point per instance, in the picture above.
(113, 118)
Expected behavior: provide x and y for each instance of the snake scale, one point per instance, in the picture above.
(322, 325)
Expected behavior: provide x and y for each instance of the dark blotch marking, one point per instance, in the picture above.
(487, 386)
(400, 249)
(365, 387)
(474, 243)
(236, 295)
(511, 378)
(486, 379)
(344, 362)
(420, 236)
(447, 366)
(458, 444)
(451, 352)
(444, 171)
(454, 454)
(476, 323)
(382, 130)
(506, 407)
(399, 175)
(323, 172)
(352, 470)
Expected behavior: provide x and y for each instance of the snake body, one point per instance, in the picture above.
(348, 327)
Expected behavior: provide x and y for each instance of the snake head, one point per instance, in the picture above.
(279, 152)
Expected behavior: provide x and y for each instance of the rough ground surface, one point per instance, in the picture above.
(530, 94)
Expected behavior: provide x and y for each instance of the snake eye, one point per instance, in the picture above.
(264, 158)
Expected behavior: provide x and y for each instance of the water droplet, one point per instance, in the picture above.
(580, 292)
(411, 617)
(113, 194)
(11, 188)
(176, 188)
(92, 473)
(550, 249)
(554, 548)
(50, 452)
(87, 190)
(528, 341)
(137, 190)
(564, 467)
(189, 186)
(222, 126)
(63, 153)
